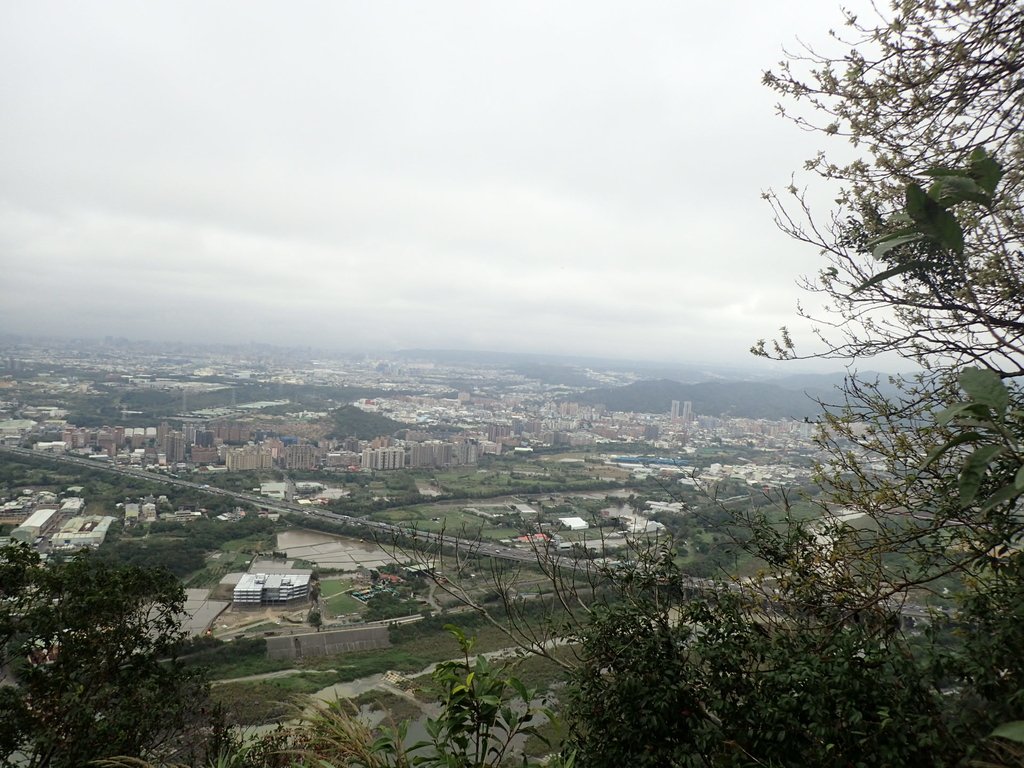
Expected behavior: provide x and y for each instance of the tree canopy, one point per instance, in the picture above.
(92, 648)
(917, 91)
(882, 635)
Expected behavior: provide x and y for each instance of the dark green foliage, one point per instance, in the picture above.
(350, 421)
(810, 665)
(315, 619)
(666, 681)
(181, 548)
(388, 606)
(483, 711)
(926, 238)
(93, 649)
(225, 659)
(991, 664)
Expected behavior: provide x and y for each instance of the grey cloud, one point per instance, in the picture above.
(556, 177)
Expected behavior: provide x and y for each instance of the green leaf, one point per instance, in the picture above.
(520, 689)
(887, 245)
(985, 386)
(947, 231)
(954, 189)
(1003, 494)
(935, 453)
(384, 744)
(890, 273)
(917, 203)
(933, 220)
(985, 170)
(973, 472)
(910, 230)
(1012, 731)
(939, 171)
(975, 409)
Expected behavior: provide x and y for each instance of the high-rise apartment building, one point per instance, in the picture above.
(383, 458)
(174, 447)
(687, 415)
(248, 458)
(303, 456)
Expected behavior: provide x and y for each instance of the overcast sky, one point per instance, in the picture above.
(564, 177)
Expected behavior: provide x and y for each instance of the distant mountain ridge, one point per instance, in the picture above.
(746, 399)
(697, 371)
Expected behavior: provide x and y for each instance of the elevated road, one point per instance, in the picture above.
(380, 530)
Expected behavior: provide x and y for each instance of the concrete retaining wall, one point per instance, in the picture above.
(324, 643)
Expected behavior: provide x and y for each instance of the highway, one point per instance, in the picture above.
(380, 530)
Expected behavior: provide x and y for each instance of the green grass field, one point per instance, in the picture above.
(332, 587)
(343, 603)
(401, 515)
(333, 591)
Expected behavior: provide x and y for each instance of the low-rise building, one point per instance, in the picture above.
(73, 505)
(281, 491)
(271, 588)
(574, 523)
(89, 531)
(34, 526)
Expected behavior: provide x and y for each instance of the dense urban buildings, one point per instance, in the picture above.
(289, 413)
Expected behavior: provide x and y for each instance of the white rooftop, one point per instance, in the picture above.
(271, 580)
(574, 523)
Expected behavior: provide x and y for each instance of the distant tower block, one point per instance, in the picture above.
(674, 413)
(687, 413)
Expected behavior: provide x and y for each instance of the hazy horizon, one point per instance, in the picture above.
(748, 368)
(578, 179)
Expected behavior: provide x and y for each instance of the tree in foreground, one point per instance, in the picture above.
(813, 662)
(91, 648)
(918, 90)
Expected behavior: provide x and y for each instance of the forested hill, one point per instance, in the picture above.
(350, 421)
(755, 400)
